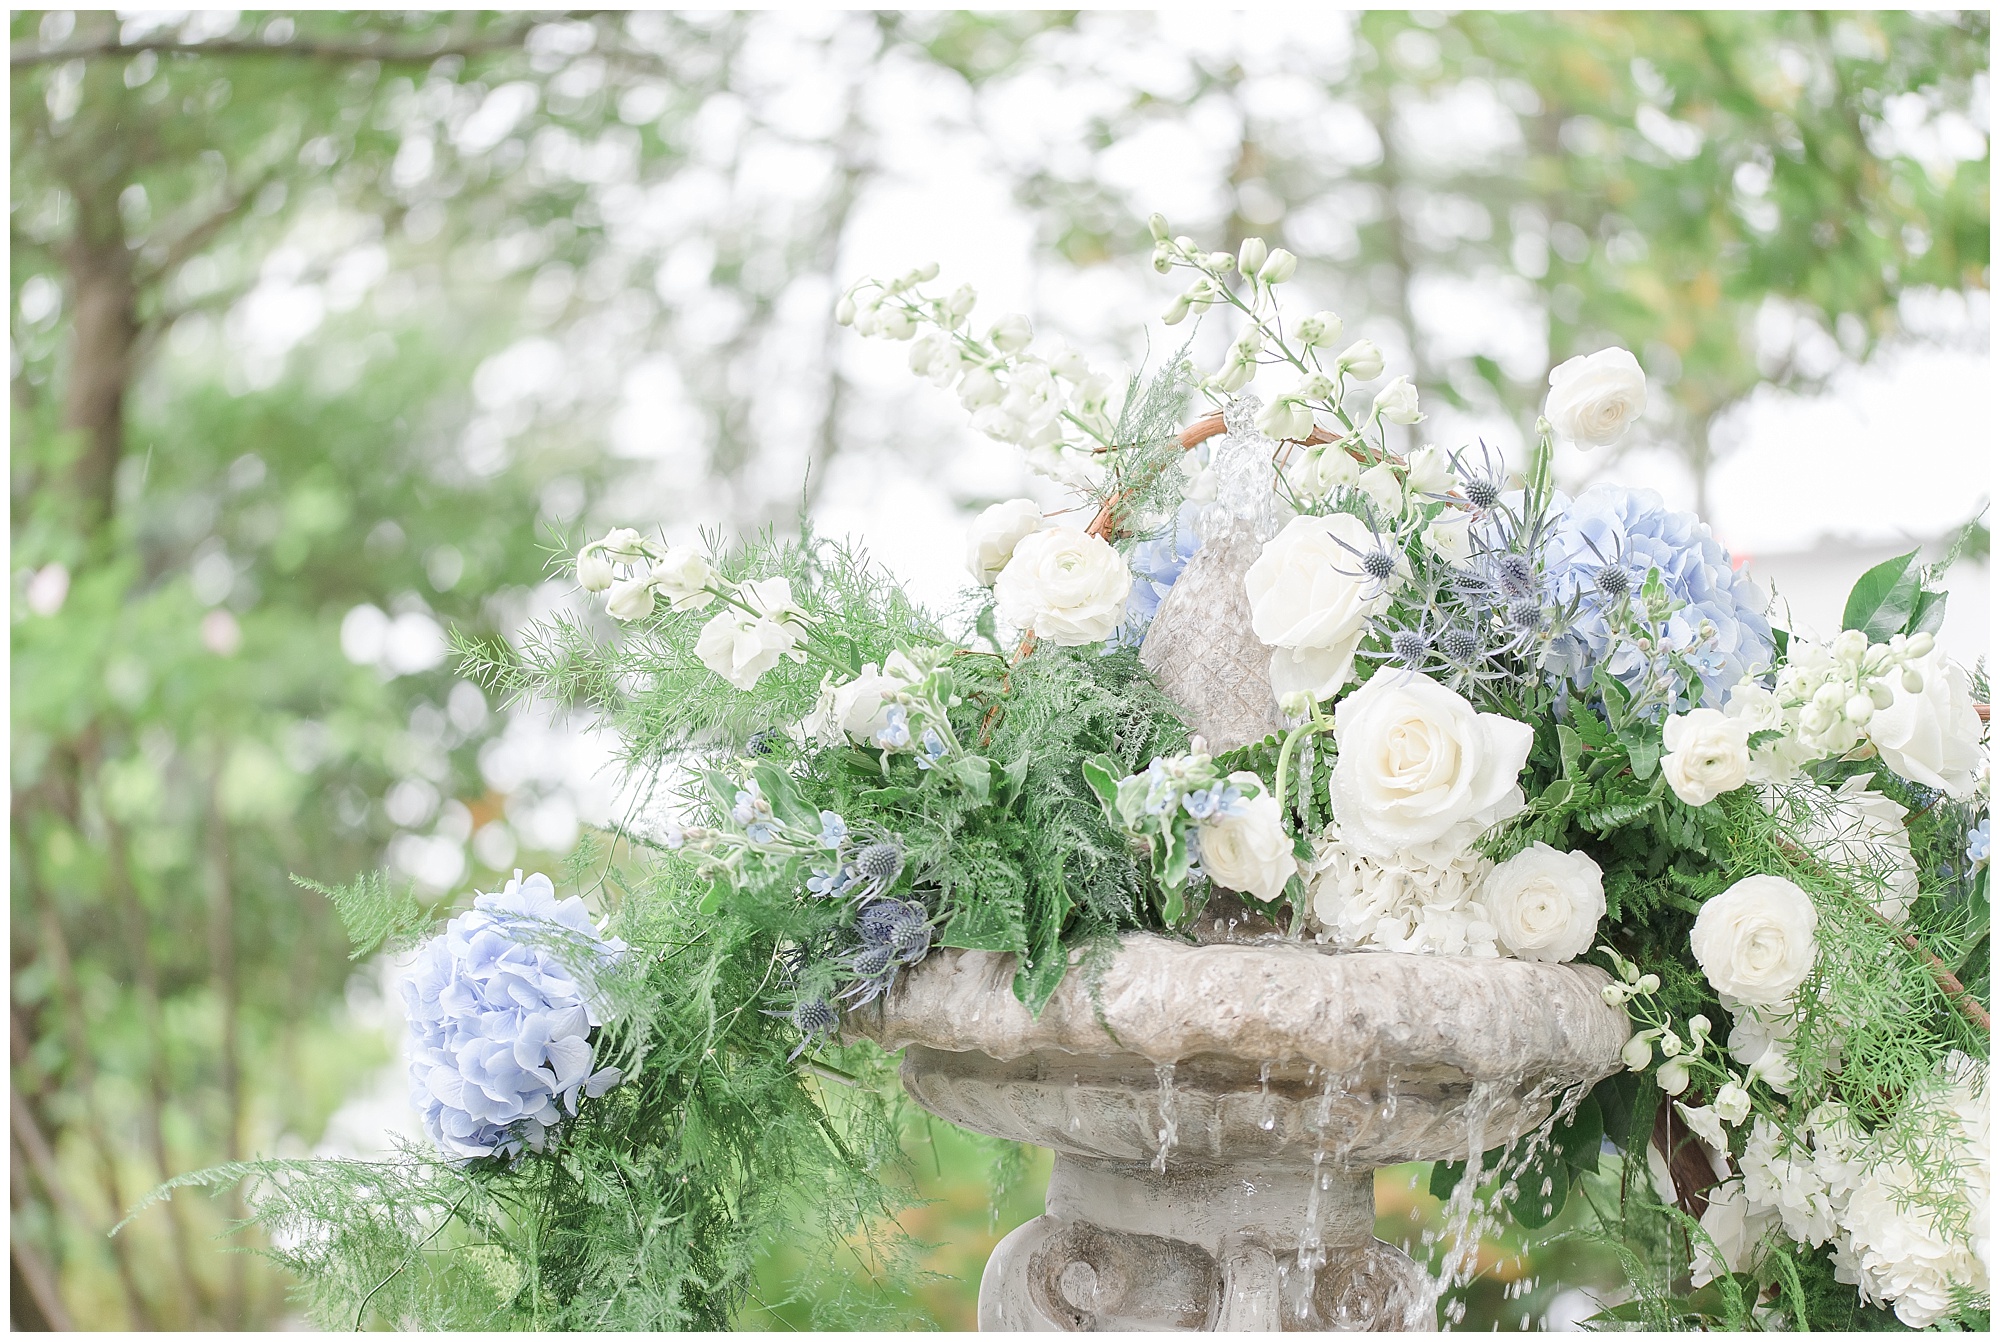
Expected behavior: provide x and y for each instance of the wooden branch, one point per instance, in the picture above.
(25, 54)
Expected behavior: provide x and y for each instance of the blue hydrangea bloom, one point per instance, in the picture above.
(499, 1023)
(1608, 526)
(1156, 565)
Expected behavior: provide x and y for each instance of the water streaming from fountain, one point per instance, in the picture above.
(1169, 1132)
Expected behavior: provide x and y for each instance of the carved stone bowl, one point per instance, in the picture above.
(1217, 1111)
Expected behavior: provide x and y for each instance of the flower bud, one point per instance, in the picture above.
(1815, 720)
(1277, 267)
(1849, 645)
(843, 311)
(1011, 333)
(1879, 693)
(1250, 256)
(1920, 645)
(1318, 387)
(1858, 710)
(1648, 984)
(1319, 330)
(961, 301)
(1298, 703)
(1163, 260)
(1615, 994)
(1362, 359)
(1286, 417)
(1234, 375)
(593, 571)
(1221, 262)
(1158, 224)
(1185, 246)
(1176, 312)
(1670, 1044)
(895, 324)
(631, 599)
(1913, 680)
(1829, 696)
(1673, 1076)
(926, 272)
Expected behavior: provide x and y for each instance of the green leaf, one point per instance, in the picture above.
(989, 921)
(1928, 617)
(782, 792)
(1884, 598)
(1444, 1178)
(373, 914)
(1011, 780)
(1532, 1207)
(1104, 774)
(974, 773)
(1582, 1138)
(1571, 745)
(1642, 747)
(711, 898)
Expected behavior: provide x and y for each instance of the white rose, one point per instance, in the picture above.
(1251, 851)
(1932, 737)
(1755, 940)
(1064, 586)
(1419, 769)
(1545, 904)
(630, 598)
(1708, 754)
(996, 532)
(740, 646)
(1397, 401)
(1310, 601)
(683, 576)
(1594, 398)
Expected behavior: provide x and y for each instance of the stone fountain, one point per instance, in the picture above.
(1217, 1112)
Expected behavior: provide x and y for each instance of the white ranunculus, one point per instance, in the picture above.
(1251, 851)
(1064, 586)
(1708, 754)
(1859, 834)
(1397, 401)
(630, 598)
(1594, 398)
(1420, 770)
(1932, 737)
(1755, 941)
(860, 708)
(1545, 904)
(683, 577)
(1310, 600)
(740, 646)
(996, 532)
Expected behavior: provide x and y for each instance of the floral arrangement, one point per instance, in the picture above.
(1502, 721)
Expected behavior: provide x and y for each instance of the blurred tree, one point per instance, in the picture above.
(1743, 198)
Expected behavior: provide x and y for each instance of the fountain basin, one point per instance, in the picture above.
(1217, 1112)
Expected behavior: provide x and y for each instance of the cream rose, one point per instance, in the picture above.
(1310, 600)
(1931, 737)
(1545, 904)
(1755, 940)
(683, 577)
(996, 532)
(1249, 851)
(1419, 770)
(1064, 586)
(1594, 398)
(740, 646)
(1708, 754)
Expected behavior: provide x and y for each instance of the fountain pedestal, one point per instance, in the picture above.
(1217, 1112)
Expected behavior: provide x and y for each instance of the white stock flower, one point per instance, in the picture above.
(1594, 398)
(1403, 904)
(1429, 471)
(1323, 468)
(1362, 360)
(1708, 754)
(1755, 941)
(1806, 1181)
(1732, 1103)
(996, 532)
(1311, 602)
(1397, 401)
(740, 646)
(1932, 736)
(1735, 1225)
(630, 598)
(1384, 489)
(683, 577)
(1449, 536)
(980, 389)
(1760, 1043)
(1286, 417)
(1064, 586)
(1251, 851)
(1011, 333)
(1545, 904)
(1419, 770)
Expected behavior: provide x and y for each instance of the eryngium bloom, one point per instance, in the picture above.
(500, 1020)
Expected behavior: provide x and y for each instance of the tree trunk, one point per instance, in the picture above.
(105, 328)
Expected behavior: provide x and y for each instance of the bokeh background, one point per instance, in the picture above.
(329, 330)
